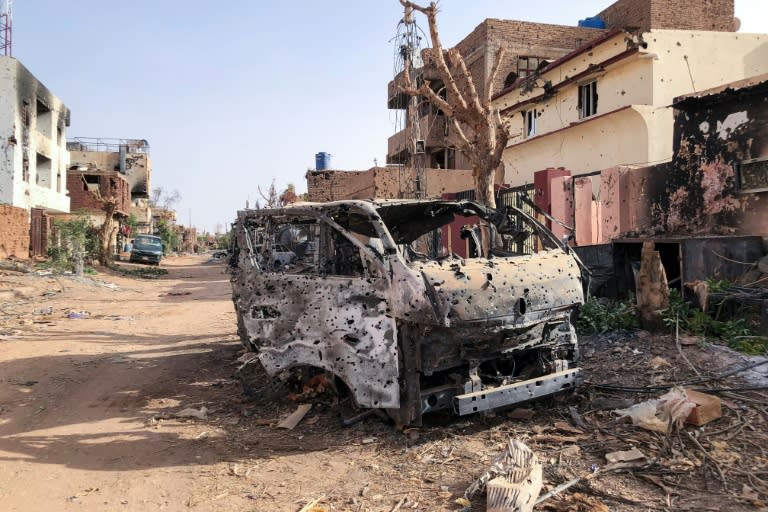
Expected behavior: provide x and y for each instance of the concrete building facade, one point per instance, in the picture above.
(608, 103)
(33, 153)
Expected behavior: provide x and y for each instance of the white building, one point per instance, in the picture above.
(33, 152)
(609, 103)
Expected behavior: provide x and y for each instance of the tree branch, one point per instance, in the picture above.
(426, 91)
(460, 132)
(437, 50)
(458, 61)
(492, 78)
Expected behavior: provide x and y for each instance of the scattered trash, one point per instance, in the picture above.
(369, 440)
(295, 418)
(77, 315)
(672, 407)
(625, 456)
(43, 311)
(707, 408)
(200, 414)
(513, 481)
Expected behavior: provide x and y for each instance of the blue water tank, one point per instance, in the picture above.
(592, 22)
(322, 161)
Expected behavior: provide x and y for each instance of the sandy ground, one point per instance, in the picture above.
(87, 418)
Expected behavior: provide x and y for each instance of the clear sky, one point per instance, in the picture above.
(233, 94)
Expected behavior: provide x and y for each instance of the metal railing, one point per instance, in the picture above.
(515, 197)
(107, 145)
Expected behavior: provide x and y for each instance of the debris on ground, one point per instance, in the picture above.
(512, 482)
(295, 418)
(200, 414)
(77, 315)
(672, 408)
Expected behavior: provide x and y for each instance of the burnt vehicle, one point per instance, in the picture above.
(376, 297)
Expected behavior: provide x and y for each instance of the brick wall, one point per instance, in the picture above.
(383, 183)
(325, 186)
(519, 38)
(110, 184)
(527, 39)
(716, 15)
(14, 232)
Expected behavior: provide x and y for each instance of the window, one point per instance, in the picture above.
(588, 99)
(752, 175)
(531, 122)
(91, 183)
(43, 171)
(25, 168)
(526, 66)
(25, 115)
(44, 118)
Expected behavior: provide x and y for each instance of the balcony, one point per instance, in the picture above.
(433, 131)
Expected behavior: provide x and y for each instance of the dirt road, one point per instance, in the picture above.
(77, 395)
(87, 418)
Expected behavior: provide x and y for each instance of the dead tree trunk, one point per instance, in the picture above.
(482, 134)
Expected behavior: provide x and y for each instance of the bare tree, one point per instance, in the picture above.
(272, 198)
(164, 199)
(482, 133)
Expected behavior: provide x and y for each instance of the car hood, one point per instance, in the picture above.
(516, 291)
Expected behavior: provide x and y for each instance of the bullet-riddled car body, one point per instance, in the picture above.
(376, 297)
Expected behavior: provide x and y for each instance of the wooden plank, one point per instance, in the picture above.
(295, 417)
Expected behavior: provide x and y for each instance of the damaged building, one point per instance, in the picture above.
(33, 160)
(89, 188)
(131, 159)
(528, 46)
(609, 103)
(718, 181)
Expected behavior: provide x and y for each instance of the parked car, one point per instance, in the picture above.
(147, 249)
(383, 303)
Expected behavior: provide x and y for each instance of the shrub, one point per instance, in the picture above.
(596, 317)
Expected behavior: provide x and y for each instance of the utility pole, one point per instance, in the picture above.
(416, 144)
(6, 28)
